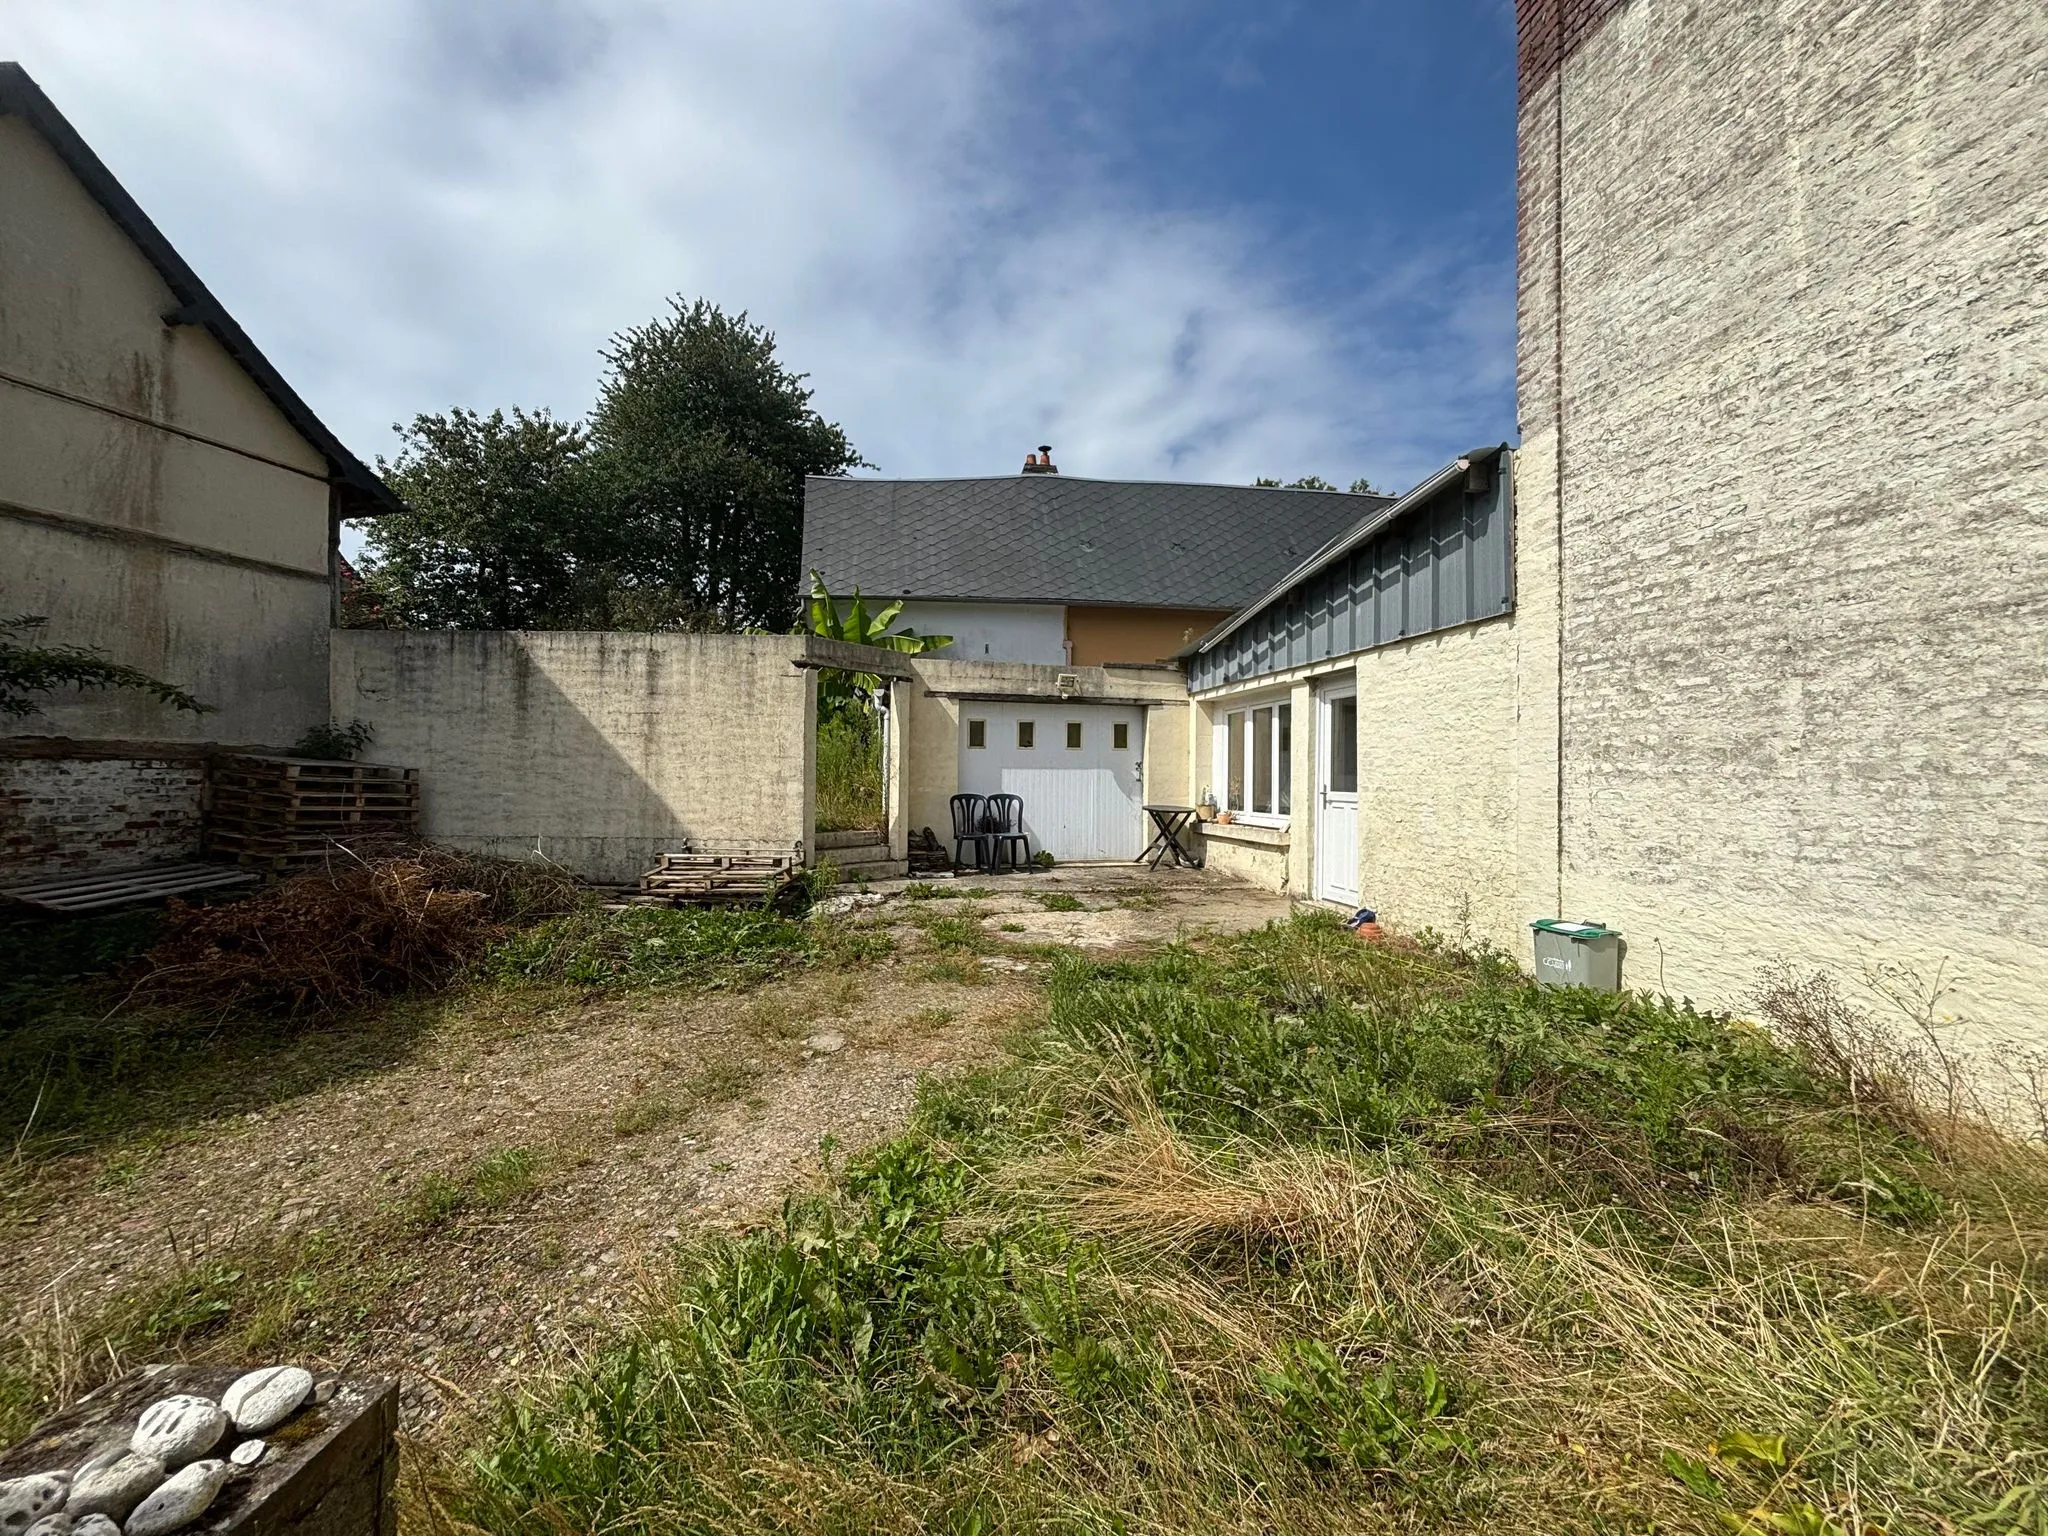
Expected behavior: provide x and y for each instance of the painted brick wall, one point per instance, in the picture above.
(1437, 730)
(1804, 491)
(62, 815)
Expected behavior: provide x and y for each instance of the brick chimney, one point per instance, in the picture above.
(1040, 463)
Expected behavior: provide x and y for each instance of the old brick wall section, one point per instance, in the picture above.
(1547, 32)
(84, 814)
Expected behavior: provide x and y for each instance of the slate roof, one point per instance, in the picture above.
(1065, 539)
(362, 493)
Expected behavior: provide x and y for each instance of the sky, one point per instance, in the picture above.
(1175, 239)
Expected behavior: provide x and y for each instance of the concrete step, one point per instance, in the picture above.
(870, 869)
(859, 837)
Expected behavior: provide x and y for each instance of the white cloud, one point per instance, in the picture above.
(413, 205)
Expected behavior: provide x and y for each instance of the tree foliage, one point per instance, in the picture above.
(678, 506)
(1359, 487)
(703, 440)
(30, 672)
(500, 530)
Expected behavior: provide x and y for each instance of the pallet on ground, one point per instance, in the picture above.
(720, 871)
(72, 895)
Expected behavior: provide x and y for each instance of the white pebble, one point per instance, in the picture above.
(266, 1398)
(51, 1525)
(248, 1453)
(181, 1500)
(25, 1500)
(179, 1429)
(94, 1525)
(113, 1483)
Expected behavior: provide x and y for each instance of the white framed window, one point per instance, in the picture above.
(1254, 751)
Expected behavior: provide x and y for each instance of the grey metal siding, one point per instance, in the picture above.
(1444, 563)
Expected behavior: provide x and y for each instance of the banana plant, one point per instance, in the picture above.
(844, 690)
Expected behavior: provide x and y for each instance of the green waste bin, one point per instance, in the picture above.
(1577, 954)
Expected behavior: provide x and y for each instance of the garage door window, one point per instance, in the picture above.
(1255, 762)
(1120, 736)
(1073, 735)
(977, 733)
(1027, 735)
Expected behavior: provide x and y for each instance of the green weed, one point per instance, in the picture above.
(706, 947)
(1058, 901)
(499, 1180)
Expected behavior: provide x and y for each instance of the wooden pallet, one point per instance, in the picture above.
(714, 871)
(286, 813)
(74, 894)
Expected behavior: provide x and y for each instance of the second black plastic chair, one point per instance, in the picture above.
(1006, 833)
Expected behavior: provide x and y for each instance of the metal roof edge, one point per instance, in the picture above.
(1189, 485)
(21, 97)
(1344, 543)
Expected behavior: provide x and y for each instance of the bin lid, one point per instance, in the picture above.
(1581, 930)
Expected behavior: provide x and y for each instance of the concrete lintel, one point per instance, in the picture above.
(843, 657)
(1044, 697)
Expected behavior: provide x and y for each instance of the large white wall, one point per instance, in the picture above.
(1793, 376)
(153, 502)
(1028, 632)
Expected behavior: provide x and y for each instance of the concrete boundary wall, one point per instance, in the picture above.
(599, 751)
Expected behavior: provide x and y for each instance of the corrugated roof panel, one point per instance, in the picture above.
(1446, 561)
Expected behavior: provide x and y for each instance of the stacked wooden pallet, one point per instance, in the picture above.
(714, 871)
(288, 813)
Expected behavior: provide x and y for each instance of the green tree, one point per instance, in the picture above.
(1359, 487)
(501, 531)
(702, 441)
(30, 672)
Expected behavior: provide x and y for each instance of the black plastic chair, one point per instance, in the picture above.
(970, 815)
(1005, 825)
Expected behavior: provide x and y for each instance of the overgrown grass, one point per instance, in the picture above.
(697, 948)
(1300, 1234)
(849, 773)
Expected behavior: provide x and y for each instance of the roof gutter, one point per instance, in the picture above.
(1343, 544)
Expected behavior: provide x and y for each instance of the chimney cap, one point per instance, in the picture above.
(1040, 463)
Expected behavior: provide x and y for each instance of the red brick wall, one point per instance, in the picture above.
(1542, 45)
(83, 815)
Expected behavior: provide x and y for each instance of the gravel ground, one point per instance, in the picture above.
(641, 1121)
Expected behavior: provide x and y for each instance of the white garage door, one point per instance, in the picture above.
(1078, 767)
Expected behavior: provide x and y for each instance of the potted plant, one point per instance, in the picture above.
(1205, 808)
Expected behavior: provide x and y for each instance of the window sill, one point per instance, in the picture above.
(1246, 832)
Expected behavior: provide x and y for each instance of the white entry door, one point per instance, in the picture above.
(1336, 871)
(1079, 768)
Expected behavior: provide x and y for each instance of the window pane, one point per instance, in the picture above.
(1027, 733)
(1073, 735)
(1233, 789)
(1283, 754)
(1344, 746)
(977, 733)
(1120, 736)
(1262, 759)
